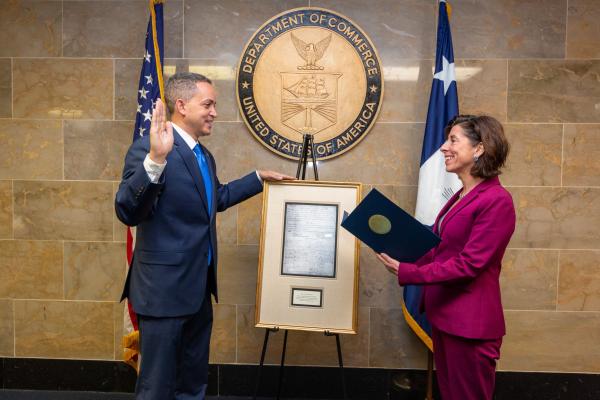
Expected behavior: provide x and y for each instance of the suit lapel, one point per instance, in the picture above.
(189, 158)
(472, 195)
(459, 206)
(436, 227)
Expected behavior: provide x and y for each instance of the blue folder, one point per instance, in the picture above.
(386, 228)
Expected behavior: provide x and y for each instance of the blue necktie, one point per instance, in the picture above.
(207, 184)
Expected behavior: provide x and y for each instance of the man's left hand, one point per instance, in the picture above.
(274, 176)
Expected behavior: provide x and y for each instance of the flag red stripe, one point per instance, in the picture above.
(132, 315)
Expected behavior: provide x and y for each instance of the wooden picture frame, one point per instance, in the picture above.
(308, 272)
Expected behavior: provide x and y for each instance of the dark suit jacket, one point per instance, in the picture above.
(461, 274)
(169, 274)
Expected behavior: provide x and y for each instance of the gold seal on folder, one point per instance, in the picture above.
(380, 224)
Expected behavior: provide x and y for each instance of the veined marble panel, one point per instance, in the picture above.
(406, 90)
(579, 281)
(220, 30)
(509, 28)
(535, 155)
(399, 29)
(64, 329)
(31, 269)
(237, 271)
(63, 210)
(5, 88)
(7, 329)
(581, 154)
(127, 76)
(392, 344)
(528, 279)
(227, 226)
(249, 220)
(94, 271)
(482, 87)
(583, 29)
(378, 287)
(95, 150)
(117, 28)
(556, 218)
(550, 341)
(553, 91)
(223, 338)
(6, 210)
(31, 28)
(118, 228)
(68, 88)
(31, 149)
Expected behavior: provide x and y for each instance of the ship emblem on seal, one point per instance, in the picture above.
(309, 71)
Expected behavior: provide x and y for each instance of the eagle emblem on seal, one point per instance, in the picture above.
(311, 52)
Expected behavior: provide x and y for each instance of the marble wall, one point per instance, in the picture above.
(68, 77)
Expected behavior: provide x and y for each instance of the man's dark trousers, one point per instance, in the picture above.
(177, 366)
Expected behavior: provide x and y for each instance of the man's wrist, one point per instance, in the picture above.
(153, 169)
(157, 159)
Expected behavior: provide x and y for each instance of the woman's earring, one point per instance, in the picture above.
(475, 158)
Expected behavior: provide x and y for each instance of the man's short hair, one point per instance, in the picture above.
(182, 85)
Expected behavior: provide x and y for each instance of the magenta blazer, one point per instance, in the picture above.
(461, 275)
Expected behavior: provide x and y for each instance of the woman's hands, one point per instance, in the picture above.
(390, 263)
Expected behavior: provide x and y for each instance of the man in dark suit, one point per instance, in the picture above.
(170, 191)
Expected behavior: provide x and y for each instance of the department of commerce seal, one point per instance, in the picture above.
(309, 71)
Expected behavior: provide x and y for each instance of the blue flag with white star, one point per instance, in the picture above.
(150, 87)
(436, 186)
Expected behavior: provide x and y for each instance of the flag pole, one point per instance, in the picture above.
(435, 184)
(429, 375)
(151, 88)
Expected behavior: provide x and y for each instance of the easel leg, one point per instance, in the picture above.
(262, 362)
(314, 158)
(301, 171)
(341, 363)
(307, 144)
(305, 147)
(282, 363)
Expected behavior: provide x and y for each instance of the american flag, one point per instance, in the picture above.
(150, 88)
(436, 185)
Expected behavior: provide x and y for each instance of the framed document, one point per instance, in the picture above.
(308, 266)
(309, 239)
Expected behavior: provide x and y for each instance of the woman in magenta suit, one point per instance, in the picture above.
(460, 277)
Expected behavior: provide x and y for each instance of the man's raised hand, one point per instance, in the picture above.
(161, 134)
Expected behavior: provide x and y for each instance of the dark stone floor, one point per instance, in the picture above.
(62, 395)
